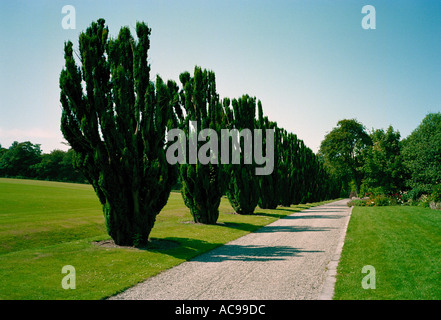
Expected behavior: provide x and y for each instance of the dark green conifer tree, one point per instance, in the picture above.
(286, 169)
(116, 126)
(269, 186)
(242, 189)
(203, 184)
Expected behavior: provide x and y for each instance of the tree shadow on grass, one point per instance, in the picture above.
(188, 248)
(240, 226)
(233, 225)
(181, 248)
(201, 250)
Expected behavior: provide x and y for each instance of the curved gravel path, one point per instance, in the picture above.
(292, 258)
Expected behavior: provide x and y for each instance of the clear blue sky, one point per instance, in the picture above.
(309, 62)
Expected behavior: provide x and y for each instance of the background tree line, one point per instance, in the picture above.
(381, 162)
(25, 160)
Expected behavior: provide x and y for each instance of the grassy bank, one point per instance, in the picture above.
(47, 225)
(402, 243)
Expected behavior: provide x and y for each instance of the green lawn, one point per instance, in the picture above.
(47, 225)
(402, 243)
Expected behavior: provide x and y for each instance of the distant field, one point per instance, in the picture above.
(402, 243)
(46, 225)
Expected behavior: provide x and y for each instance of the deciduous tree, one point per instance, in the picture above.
(421, 152)
(383, 164)
(342, 151)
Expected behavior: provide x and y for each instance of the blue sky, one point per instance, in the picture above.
(309, 62)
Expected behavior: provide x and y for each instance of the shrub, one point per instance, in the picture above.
(414, 194)
(357, 203)
(424, 201)
(361, 203)
(436, 193)
(397, 198)
(434, 199)
(381, 200)
(371, 191)
(435, 205)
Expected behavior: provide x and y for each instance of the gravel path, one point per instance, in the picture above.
(291, 258)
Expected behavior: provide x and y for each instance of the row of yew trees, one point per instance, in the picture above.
(116, 119)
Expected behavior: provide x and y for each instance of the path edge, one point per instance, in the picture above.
(330, 279)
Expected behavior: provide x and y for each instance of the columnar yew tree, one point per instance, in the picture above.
(202, 183)
(269, 186)
(286, 167)
(116, 125)
(296, 169)
(242, 189)
(310, 174)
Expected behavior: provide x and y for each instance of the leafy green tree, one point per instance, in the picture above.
(67, 171)
(58, 166)
(50, 165)
(421, 152)
(2, 151)
(383, 165)
(342, 149)
(116, 126)
(20, 159)
(242, 188)
(203, 184)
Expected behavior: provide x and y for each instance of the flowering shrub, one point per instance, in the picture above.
(381, 200)
(401, 198)
(361, 203)
(397, 198)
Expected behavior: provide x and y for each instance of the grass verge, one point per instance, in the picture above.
(402, 243)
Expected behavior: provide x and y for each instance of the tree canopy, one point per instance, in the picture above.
(422, 153)
(342, 149)
(383, 164)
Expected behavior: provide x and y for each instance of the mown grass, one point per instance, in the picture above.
(47, 225)
(402, 243)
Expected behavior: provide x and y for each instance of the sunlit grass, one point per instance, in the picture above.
(46, 225)
(402, 243)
